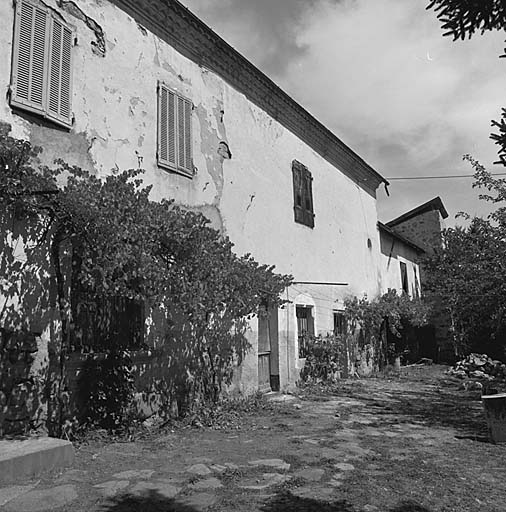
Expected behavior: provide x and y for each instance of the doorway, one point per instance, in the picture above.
(268, 353)
(305, 327)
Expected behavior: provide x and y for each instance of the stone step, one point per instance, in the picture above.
(28, 458)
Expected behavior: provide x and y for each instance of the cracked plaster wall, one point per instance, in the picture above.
(249, 197)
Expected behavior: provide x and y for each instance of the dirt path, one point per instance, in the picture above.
(409, 444)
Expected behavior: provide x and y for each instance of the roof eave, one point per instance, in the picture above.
(176, 24)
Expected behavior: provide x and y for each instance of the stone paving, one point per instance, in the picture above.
(140, 482)
(198, 484)
(313, 451)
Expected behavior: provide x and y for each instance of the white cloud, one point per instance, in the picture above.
(409, 101)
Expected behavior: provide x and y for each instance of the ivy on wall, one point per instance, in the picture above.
(391, 314)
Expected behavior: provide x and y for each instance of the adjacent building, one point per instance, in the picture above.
(423, 227)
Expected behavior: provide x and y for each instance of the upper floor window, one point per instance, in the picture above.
(42, 62)
(302, 194)
(174, 131)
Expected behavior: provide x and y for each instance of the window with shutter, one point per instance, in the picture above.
(174, 131)
(42, 63)
(302, 194)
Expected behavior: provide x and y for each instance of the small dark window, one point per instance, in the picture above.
(305, 327)
(404, 277)
(340, 323)
(303, 194)
(101, 323)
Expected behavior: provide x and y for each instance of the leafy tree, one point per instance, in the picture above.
(464, 18)
(467, 276)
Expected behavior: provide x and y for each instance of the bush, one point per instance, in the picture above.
(325, 358)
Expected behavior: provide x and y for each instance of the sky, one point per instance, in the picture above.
(380, 75)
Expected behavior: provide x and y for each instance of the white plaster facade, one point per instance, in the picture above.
(395, 250)
(249, 197)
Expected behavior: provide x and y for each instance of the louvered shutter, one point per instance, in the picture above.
(184, 109)
(59, 86)
(302, 194)
(308, 199)
(31, 40)
(166, 127)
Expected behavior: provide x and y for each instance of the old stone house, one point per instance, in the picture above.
(119, 84)
(423, 226)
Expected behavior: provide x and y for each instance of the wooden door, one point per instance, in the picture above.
(264, 349)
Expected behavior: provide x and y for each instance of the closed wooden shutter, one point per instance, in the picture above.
(31, 40)
(42, 63)
(174, 131)
(60, 73)
(166, 127)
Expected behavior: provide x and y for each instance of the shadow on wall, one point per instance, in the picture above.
(47, 378)
(27, 322)
(171, 370)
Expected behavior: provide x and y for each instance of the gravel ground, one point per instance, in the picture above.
(411, 442)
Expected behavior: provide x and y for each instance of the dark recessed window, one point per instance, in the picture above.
(404, 277)
(305, 327)
(302, 194)
(102, 323)
(340, 323)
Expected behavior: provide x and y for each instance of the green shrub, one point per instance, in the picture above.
(325, 358)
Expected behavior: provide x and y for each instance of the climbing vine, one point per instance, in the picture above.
(109, 239)
(391, 313)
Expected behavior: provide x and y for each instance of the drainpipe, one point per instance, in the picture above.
(287, 338)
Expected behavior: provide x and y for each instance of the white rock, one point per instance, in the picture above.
(272, 463)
